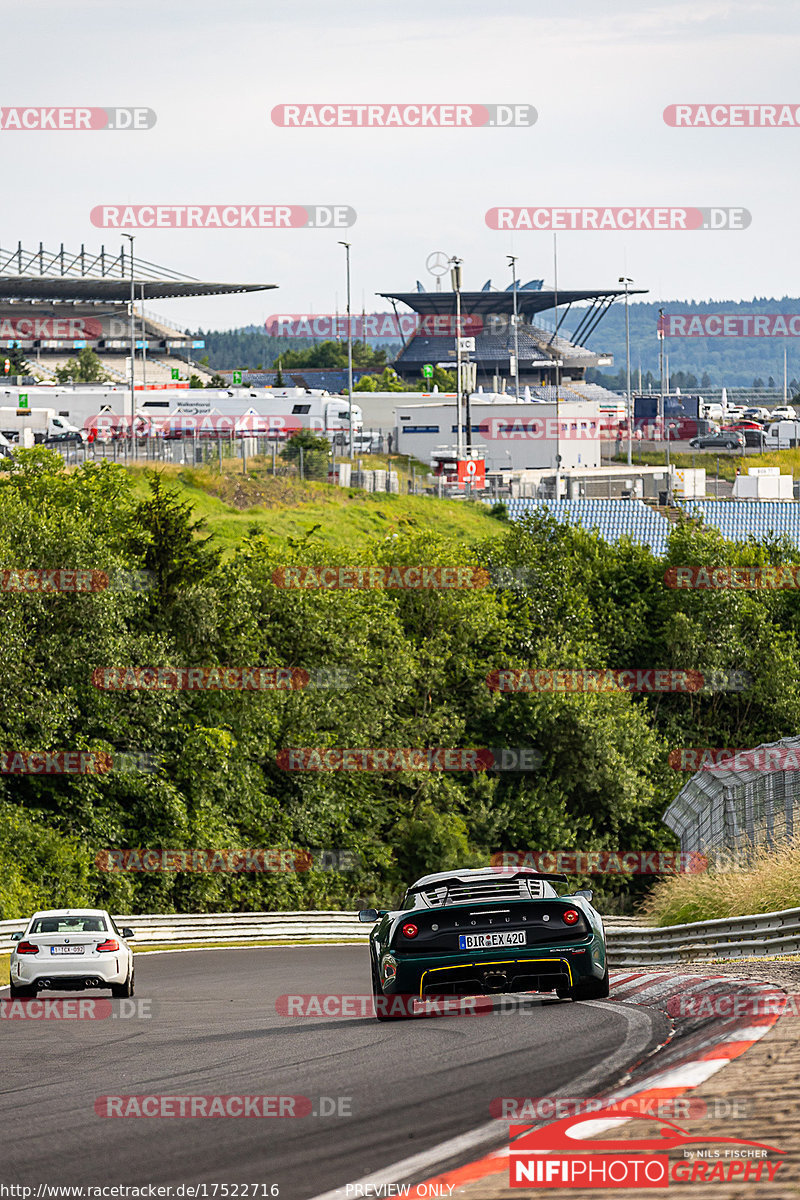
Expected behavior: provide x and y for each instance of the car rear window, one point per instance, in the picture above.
(68, 925)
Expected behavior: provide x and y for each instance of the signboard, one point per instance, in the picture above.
(237, 377)
(22, 400)
(472, 471)
(427, 371)
(175, 373)
(467, 344)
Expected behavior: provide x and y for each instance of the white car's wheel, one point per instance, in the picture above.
(21, 993)
(120, 991)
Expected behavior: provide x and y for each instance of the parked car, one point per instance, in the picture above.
(784, 412)
(753, 434)
(756, 414)
(71, 437)
(728, 440)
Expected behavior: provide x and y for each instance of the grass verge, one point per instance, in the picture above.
(276, 507)
(768, 882)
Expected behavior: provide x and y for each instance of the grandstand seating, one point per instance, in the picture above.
(613, 519)
(738, 520)
(158, 369)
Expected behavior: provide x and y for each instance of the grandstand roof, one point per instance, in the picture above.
(44, 287)
(105, 276)
(484, 303)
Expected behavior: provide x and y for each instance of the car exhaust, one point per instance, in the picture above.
(495, 981)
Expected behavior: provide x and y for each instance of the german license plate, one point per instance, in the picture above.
(66, 949)
(488, 941)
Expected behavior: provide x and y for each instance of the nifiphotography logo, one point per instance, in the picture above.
(559, 1155)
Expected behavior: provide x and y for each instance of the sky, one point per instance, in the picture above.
(598, 75)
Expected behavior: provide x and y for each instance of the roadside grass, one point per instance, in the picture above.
(787, 460)
(245, 945)
(234, 505)
(768, 882)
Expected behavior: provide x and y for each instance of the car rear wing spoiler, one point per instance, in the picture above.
(550, 877)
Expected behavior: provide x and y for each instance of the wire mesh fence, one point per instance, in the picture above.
(729, 813)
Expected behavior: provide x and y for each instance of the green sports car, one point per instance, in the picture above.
(485, 932)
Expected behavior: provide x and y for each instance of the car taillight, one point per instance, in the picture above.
(410, 931)
(108, 946)
(569, 917)
(27, 948)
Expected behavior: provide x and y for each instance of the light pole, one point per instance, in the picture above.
(624, 279)
(455, 279)
(130, 238)
(349, 352)
(661, 404)
(512, 259)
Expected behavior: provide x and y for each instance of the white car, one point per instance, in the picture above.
(784, 412)
(68, 949)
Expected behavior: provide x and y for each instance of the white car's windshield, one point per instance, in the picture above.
(68, 925)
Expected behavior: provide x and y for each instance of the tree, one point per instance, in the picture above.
(444, 380)
(389, 381)
(216, 381)
(195, 381)
(705, 382)
(16, 363)
(333, 355)
(166, 538)
(279, 376)
(86, 368)
(771, 382)
(316, 450)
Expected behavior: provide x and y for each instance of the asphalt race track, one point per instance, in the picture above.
(214, 1030)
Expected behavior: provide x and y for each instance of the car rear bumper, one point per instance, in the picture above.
(539, 970)
(62, 975)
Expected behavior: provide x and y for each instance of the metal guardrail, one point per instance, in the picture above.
(629, 944)
(166, 928)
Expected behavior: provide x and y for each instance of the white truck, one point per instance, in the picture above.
(26, 426)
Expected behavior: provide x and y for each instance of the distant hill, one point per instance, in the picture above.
(734, 362)
(251, 348)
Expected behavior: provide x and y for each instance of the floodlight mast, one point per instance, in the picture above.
(455, 279)
(130, 237)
